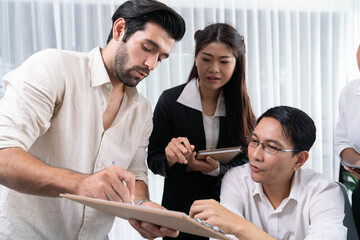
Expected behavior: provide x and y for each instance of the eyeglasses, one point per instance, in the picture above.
(252, 142)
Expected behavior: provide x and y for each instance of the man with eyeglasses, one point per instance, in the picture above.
(272, 197)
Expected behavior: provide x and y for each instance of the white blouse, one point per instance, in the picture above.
(190, 97)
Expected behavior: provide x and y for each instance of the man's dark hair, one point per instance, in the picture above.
(137, 13)
(296, 125)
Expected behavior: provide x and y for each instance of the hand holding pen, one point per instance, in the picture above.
(123, 181)
(178, 150)
(108, 184)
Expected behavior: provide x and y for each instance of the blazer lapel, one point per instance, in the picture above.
(196, 128)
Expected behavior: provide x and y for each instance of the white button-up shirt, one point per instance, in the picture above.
(190, 97)
(347, 134)
(52, 108)
(313, 210)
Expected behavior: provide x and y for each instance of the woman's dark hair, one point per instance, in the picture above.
(240, 117)
(297, 126)
(137, 13)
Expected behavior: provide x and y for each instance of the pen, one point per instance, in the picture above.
(188, 152)
(131, 200)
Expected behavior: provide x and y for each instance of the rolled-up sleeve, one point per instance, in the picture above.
(138, 165)
(28, 103)
(341, 141)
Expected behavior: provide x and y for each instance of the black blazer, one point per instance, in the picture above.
(181, 188)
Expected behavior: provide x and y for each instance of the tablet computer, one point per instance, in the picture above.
(167, 218)
(223, 155)
(349, 165)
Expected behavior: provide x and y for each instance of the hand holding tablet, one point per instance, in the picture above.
(354, 169)
(223, 155)
(346, 164)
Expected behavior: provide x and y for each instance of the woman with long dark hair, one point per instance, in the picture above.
(212, 110)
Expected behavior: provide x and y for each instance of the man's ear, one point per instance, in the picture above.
(119, 29)
(301, 159)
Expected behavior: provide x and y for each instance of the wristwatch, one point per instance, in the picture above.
(138, 203)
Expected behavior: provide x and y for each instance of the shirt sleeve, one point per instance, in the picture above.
(327, 214)
(215, 172)
(138, 165)
(229, 191)
(28, 103)
(230, 186)
(341, 140)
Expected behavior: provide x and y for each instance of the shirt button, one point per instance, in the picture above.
(100, 165)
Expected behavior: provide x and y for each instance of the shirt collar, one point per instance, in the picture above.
(132, 94)
(99, 75)
(190, 97)
(294, 191)
(258, 190)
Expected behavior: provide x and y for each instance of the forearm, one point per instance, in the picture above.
(246, 230)
(24, 173)
(350, 155)
(217, 215)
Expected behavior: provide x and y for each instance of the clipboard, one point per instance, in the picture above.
(167, 218)
(223, 155)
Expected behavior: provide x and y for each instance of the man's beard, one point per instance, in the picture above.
(123, 73)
